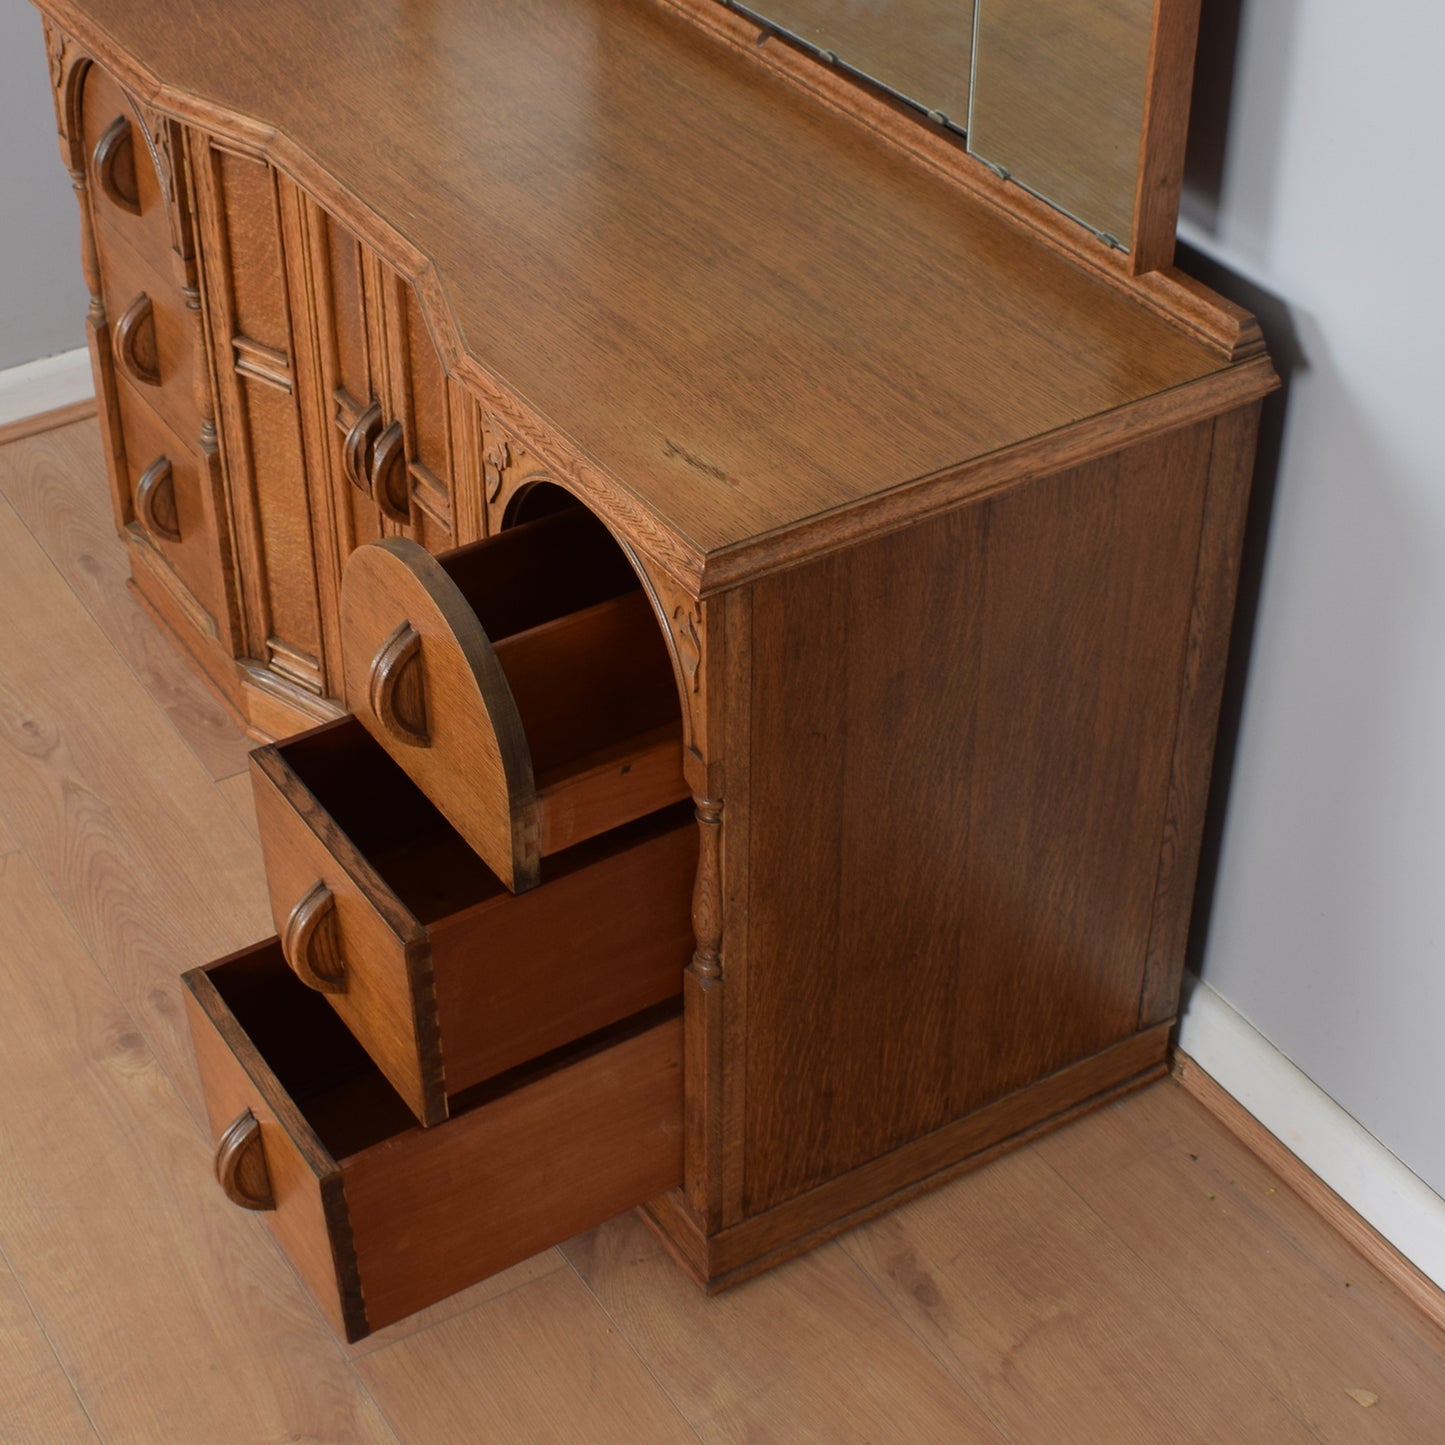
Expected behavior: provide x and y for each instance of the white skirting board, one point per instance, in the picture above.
(44, 385)
(1365, 1174)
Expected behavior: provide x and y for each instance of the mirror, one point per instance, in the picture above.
(1049, 92)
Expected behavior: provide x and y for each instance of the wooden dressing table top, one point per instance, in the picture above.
(736, 309)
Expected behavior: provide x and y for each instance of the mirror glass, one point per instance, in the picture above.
(1058, 101)
(1051, 92)
(918, 49)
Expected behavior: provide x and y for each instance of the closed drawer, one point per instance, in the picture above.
(523, 682)
(155, 339)
(128, 200)
(443, 975)
(381, 1217)
(168, 496)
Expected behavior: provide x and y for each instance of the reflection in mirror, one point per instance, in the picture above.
(919, 49)
(1058, 101)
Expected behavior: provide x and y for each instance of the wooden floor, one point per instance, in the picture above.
(1137, 1277)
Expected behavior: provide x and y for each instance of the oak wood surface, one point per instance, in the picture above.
(799, 1354)
(1211, 613)
(1051, 1292)
(435, 1209)
(238, 793)
(526, 1345)
(1001, 685)
(386, 993)
(856, 323)
(118, 816)
(308, 1213)
(40, 1403)
(109, 1213)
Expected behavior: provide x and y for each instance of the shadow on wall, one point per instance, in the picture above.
(1289, 360)
(1272, 26)
(1205, 175)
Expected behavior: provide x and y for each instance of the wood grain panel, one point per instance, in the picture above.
(1020, 1291)
(250, 330)
(527, 1346)
(551, 1157)
(56, 484)
(973, 721)
(203, 1294)
(1231, 467)
(802, 1354)
(1303, 1311)
(156, 875)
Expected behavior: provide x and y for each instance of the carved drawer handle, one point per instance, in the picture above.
(311, 942)
(360, 444)
(155, 501)
(135, 342)
(241, 1164)
(114, 161)
(388, 474)
(398, 688)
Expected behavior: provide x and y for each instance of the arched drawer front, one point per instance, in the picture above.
(523, 684)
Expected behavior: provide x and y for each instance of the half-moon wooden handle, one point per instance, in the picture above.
(114, 161)
(388, 474)
(241, 1164)
(135, 342)
(397, 692)
(311, 942)
(360, 444)
(155, 501)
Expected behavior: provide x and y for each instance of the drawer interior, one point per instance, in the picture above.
(340, 1093)
(418, 854)
(576, 637)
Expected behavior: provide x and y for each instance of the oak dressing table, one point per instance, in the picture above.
(741, 586)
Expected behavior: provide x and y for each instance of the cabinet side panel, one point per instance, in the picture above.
(961, 743)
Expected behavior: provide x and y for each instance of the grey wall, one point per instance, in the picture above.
(42, 296)
(1317, 176)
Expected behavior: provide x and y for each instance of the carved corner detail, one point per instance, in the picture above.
(496, 459)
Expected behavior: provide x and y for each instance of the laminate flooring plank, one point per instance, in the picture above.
(171, 1311)
(807, 1352)
(540, 1364)
(36, 1401)
(127, 828)
(236, 790)
(518, 1276)
(8, 841)
(1301, 1308)
(1048, 1319)
(57, 484)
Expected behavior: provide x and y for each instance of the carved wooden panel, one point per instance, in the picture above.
(253, 352)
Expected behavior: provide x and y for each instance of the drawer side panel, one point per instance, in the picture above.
(435, 1210)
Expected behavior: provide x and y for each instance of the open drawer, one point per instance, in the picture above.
(445, 977)
(523, 682)
(381, 1217)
